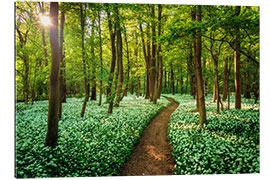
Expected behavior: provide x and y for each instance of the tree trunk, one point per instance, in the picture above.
(216, 82)
(93, 79)
(146, 57)
(131, 87)
(198, 73)
(205, 77)
(237, 64)
(156, 56)
(52, 131)
(225, 87)
(172, 80)
(128, 63)
(119, 59)
(165, 79)
(61, 81)
(191, 72)
(153, 57)
(195, 95)
(181, 80)
(110, 94)
(228, 88)
(159, 56)
(138, 86)
(100, 57)
(86, 82)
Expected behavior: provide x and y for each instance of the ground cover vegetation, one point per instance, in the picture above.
(70, 55)
(227, 144)
(96, 145)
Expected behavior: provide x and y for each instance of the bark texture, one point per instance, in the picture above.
(52, 131)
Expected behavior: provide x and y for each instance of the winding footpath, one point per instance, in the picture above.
(152, 155)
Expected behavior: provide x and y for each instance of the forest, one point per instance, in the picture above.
(110, 89)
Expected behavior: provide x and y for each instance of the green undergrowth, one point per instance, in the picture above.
(96, 145)
(227, 144)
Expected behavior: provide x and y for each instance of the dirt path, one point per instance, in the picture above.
(152, 155)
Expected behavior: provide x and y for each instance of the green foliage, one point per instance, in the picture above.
(228, 144)
(96, 145)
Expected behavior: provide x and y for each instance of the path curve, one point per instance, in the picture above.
(152, 155)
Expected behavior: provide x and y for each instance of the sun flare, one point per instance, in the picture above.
(45, 20)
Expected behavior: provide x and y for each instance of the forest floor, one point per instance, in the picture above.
(152, 155)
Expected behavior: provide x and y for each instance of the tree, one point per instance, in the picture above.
(100, 57)
(198, 72)
(93, 79)
(86, 81)
(119, 53)
(62, 86)
(237, 63)
(53, 117)
(110, 94)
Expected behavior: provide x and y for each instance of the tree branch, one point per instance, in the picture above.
(241, 51)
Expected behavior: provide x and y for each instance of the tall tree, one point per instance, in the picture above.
(152, 62)
(198, 71)
(86, 81)
(146, 53)
(62, 86)
(52, 131)
(93, 79)
(159, 55)
(110, 93)
(119, 52)
(226, 77)
(237, 63)
(100, 57)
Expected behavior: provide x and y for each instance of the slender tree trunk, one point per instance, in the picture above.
(172, 80)
(225, 87)
(131, 87)
(237, 65)
(94, 86)
(191, 72)
(101, 63)
(86, 82)
(165, 79)
(52, 131)
(61, 81)
(201, 99)
(159, 56)
(216, 82)
(153, 57)
(146, 57)
(128, 63)
(119, 58)
(187, 82)
(181, 80)
(228, 88)
(93, 79)
(160, 74)
(195, 95)
(205, 77)
(110, 94)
